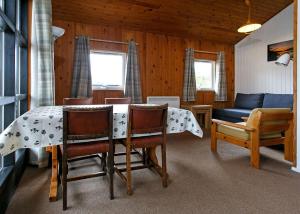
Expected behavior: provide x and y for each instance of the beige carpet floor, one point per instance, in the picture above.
(200, 182)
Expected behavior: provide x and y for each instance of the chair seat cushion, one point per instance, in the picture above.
(242, 134)
(234, 132)
(88, 148)
(147, 142)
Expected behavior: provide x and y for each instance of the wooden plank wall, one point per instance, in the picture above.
(161, 61)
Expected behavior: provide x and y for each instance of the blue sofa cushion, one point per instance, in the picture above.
(231, 112)
(248, 101)
(278, 101)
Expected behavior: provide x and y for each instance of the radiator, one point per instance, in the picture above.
(173, 101)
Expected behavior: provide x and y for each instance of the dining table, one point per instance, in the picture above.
(43, 127)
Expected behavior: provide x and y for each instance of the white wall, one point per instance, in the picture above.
(253, 73)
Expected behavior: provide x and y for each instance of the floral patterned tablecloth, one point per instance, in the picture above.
(43, 126)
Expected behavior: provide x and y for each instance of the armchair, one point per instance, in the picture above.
(264, 127)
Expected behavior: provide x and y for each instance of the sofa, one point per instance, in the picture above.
(244, 103)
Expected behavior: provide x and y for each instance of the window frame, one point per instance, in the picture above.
(213, 73)
(13, 92)
(113, 88)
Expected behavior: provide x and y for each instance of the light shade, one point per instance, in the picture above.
(284, 59)
(248, 28)
(57, 32)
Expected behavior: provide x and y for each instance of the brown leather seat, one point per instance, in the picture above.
(87, 124)
(83, 149)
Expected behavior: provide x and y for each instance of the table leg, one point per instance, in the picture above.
(207, 122)
(152, 155)
(53, 182)
(153, 158)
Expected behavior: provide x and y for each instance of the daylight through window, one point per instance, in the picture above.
(205, 74)
(108, 70)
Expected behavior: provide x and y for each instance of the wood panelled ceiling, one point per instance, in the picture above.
(216, 20)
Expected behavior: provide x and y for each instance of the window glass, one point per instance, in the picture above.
(12, 29)
(204, 74)
(2, 26)
(107, 70)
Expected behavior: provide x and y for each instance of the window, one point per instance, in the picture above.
(13, 66)
(1, 73)
(108, 70)
(205, 74)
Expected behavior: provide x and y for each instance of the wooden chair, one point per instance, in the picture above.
(264, 127)
(78, 101)
(87, 123)
(142, 121)
(83, 101)
(125, 100)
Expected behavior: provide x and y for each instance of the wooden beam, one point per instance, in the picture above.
(295, 83)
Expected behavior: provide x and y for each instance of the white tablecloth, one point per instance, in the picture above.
(43, 126)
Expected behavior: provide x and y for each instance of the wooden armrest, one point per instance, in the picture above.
(222, 122)
(245, 118)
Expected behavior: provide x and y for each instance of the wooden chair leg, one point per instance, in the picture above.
(64, 181)
(255, 156)
(164, 166)
(144, 155)
(111, 174)
(147, 157)
(103, 162)
(213, 138)
(128, 169)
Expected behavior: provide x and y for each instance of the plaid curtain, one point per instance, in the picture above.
(189, 87)
(221, 84)
(82, 78)
(42, 75)
(133, 82)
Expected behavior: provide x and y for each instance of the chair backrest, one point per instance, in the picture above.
(78, 101)
(125, 100)
(147, 119)
(87, 122)
(271, 120)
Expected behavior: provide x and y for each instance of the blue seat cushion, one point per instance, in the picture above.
(278, 101)
(248, 101)
(231, 112)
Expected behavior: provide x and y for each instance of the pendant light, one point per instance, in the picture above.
(249, 26)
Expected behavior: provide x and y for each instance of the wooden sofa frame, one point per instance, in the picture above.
(259, 128)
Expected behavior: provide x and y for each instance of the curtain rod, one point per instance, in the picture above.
(107, 41)
(207, 52)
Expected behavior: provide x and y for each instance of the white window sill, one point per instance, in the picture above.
(107, 88)
(206, 89)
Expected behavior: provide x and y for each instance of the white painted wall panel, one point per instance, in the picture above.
(253, 73)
